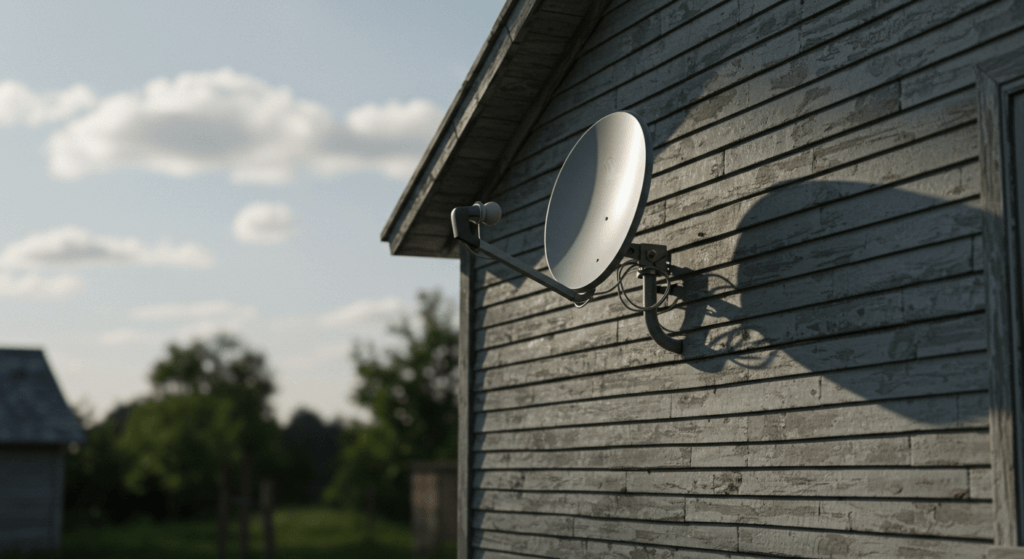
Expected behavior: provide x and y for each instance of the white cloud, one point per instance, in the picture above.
(192, 311)
(38, 286)
(75, 246)
(416, 119)
(263, 223)
(204, 329)
(226, 120)
(188, 321)
(127, 336)
(21, 105)
(363, 311)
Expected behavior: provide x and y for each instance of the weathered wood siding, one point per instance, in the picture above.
(31, 497)
(817, 173)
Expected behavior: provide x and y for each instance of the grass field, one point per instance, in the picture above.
(300, 533)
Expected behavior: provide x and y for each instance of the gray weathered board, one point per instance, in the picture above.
(31, 497)
(817, 174)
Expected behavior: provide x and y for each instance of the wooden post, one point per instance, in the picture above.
(244, 491)
(371, 509)
(222, 511)
(465, 418)
(267, 508)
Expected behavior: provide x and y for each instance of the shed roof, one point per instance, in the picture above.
(528, 51)
(32, 409)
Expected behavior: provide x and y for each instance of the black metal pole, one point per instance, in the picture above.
(651, 316)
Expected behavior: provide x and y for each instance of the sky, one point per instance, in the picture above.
(170, 170)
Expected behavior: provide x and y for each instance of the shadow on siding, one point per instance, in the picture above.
(878, 283)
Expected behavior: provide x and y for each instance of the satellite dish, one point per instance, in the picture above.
(598, 200)
(593, 213)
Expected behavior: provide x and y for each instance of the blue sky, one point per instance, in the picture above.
(173, 169)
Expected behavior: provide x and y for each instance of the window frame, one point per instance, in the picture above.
(998, 81)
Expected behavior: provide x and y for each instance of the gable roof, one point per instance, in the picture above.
(528, 51)
(32, 410)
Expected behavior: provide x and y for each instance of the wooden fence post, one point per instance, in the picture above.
(267, 507)
(371, 509)
(244, 491)
(222, 511)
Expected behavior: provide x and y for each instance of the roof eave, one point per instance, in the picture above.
(503, 95)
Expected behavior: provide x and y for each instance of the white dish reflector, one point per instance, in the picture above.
(598, 200)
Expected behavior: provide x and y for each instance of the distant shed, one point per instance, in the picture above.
(432, 503)
(35, 428)
(844, 182)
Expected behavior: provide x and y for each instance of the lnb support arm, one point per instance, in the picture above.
(463, 218)
(651, 260)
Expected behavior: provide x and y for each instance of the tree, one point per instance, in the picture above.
(412, 393)
(94, 488)
(210, 406)
(314, 444)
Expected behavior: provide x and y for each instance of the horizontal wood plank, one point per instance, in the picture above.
(908, 483)
(612, 550)
(488, 554)
(956, 519)
(534, 545)
(699, 536)
(903, 483)
(548, 525)
(960, 411)
(946, 449)
(966, 373)
(831, 545)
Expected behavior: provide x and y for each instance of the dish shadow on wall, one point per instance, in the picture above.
(878, 283)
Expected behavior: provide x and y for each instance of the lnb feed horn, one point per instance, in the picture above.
(485, 214)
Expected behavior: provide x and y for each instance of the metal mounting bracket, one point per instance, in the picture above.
(650, 258)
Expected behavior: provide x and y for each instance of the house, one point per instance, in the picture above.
(35, 428)
(841, 182)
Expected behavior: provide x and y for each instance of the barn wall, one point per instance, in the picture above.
(817, 173)
(31, 497)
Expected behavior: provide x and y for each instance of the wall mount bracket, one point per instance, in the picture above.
(652, 260)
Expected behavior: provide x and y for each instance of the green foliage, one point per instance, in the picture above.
(177, 443)
(161, 455)
(220, 368)
(95, 473)
(412, 393)
(211, 407)
(300, 533)
(315, 446)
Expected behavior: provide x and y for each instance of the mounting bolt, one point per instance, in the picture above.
(651, 254)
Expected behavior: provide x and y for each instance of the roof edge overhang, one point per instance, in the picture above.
(33, 411)
(527, 53)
